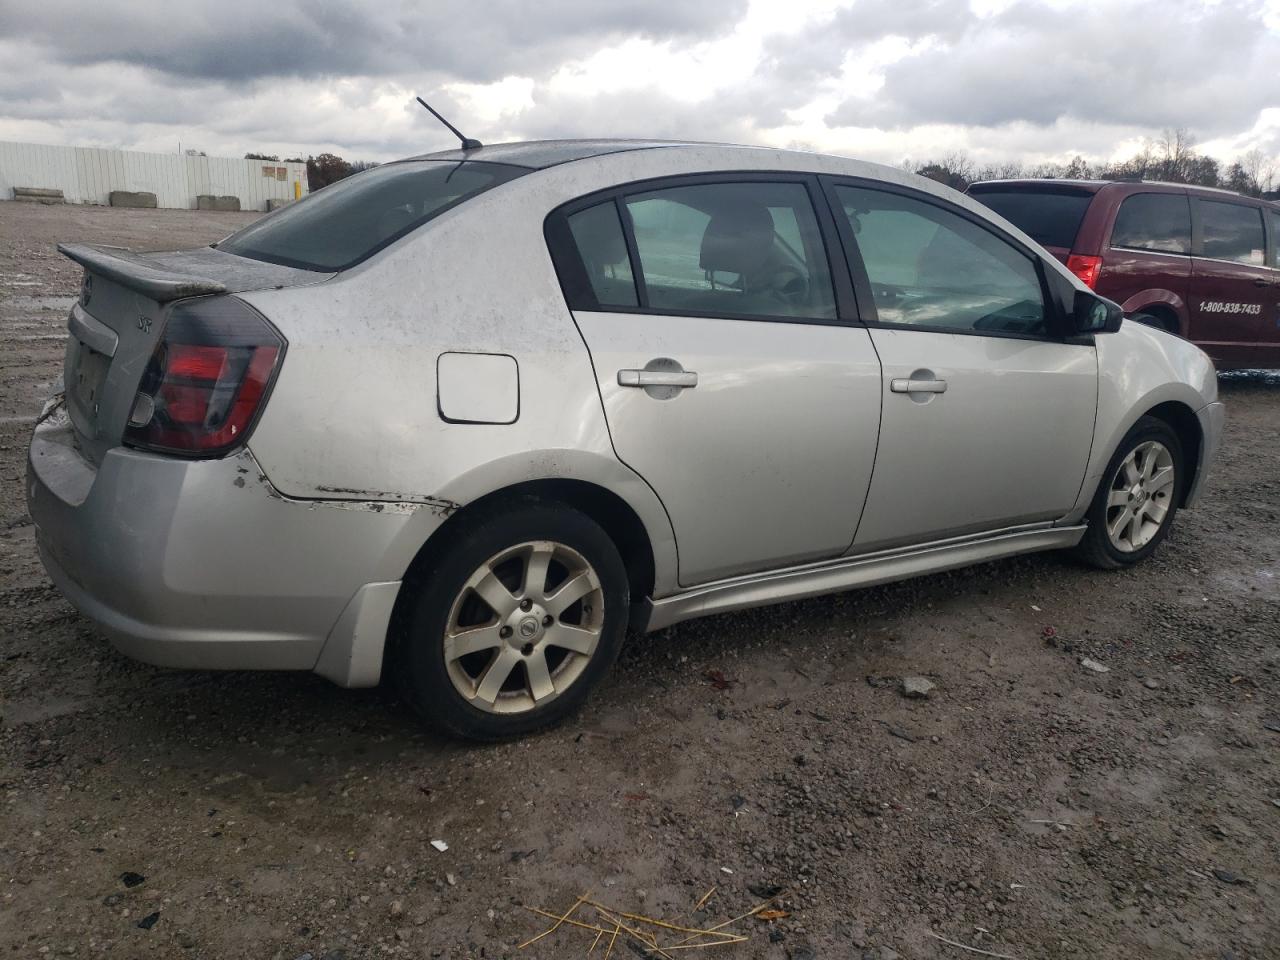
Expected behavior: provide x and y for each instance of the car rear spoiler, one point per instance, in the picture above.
(134, 271)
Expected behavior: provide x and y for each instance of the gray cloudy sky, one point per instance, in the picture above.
(887, 80)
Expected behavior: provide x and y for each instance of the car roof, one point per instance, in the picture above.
(1093, 186)
(539, 154)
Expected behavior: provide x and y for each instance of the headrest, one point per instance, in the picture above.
(605, 247)
(737, 240)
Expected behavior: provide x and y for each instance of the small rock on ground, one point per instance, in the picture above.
(916, 687)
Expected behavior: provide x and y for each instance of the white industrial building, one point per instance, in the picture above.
(90, 174)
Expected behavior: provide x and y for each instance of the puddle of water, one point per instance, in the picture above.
(1270, 378)
(1248, 581)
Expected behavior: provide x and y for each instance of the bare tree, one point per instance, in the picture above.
(1078, 169)
(1172, 156)
(955, 169)
(1176, 155)
(1260, 170)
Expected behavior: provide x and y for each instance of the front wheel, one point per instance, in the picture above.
(1137, 499)
(511, 628)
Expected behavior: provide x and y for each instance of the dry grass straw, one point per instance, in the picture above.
(608, 924)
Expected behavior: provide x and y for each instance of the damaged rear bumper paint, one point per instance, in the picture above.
(203, 564)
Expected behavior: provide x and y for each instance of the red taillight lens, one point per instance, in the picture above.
(1086, 268)
(206, 380)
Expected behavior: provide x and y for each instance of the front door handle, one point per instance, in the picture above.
(904, 385)
(657, 378)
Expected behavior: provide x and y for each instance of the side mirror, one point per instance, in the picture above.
(1094, 314)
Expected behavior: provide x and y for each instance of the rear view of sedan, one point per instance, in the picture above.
(460, 421)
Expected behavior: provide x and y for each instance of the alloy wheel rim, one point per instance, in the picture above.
(1140, 496)
(524, 626)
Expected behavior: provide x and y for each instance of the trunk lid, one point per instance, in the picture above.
(120, 317)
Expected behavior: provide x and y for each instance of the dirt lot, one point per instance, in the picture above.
(1028, 807)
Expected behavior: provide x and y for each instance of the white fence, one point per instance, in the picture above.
(89, 174)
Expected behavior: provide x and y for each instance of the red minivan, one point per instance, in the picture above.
(1200, 262)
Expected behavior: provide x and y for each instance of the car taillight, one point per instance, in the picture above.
(1086, 268)
(207, 379)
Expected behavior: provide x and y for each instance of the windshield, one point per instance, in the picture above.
(349, 221)
(1049, 217)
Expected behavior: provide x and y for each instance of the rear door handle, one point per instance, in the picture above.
(657, 378)
(917, 386)
(1261, 282)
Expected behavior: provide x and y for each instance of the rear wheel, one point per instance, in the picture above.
(515, 624)
(1152, 320)
(1137, 499)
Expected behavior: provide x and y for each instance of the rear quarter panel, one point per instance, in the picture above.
(354, 415)
(1138, 281)
(1135, 279)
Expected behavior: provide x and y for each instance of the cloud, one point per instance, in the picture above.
(1032, 80)
(1185, 64)
(820, 49)
(238, 41)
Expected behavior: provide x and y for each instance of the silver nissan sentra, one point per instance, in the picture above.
(461, 420)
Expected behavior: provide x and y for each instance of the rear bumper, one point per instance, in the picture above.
(1213, 418)
(202, 564)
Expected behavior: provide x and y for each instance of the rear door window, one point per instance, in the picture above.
(597, 233)
(1160, 222)
(1051, 218)
(349, 221)
(1231, 231)
(929, 267)
(1274, 217)
(731, 249)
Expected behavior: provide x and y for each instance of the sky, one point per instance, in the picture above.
(895, 81)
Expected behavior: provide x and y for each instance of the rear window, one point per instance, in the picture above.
(1154, 221)
(1232, 232)
(1051, 218)
(349, 221)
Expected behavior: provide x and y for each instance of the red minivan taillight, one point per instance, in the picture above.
(1086, 268)
(207, 379)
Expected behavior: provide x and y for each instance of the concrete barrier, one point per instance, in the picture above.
(207, 201)
(38, 195)
(275, 204)
(132, 198)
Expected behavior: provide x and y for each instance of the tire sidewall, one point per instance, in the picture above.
(1147, 428)
(421, 672)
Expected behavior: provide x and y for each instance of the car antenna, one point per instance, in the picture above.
(467, 142)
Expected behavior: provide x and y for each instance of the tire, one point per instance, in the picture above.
(1135, 485)
(1151, 320)
(529, 655)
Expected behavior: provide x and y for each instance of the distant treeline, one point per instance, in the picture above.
(322, 170)
(1172, 158)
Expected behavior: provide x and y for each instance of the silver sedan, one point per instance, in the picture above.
(462, 420)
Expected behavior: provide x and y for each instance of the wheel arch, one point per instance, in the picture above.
(1166, 305)
(1184, 422)
(618, 518)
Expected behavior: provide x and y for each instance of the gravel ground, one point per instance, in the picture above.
(1027, 807)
